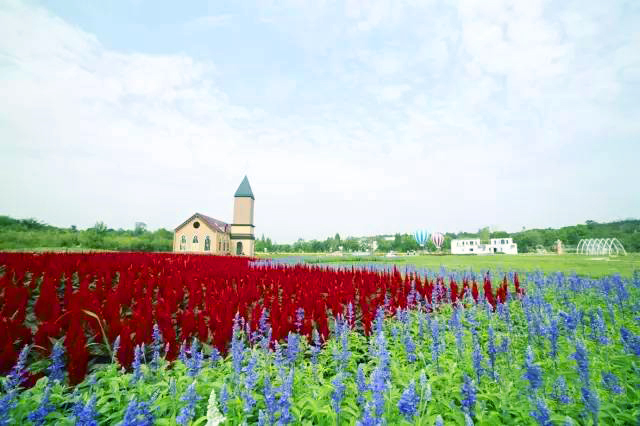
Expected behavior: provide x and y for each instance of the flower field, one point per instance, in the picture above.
(149, 338)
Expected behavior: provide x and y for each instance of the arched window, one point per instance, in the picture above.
(207, 243)
(195, 239)
(239, 248)
(219, 245)
(183, 243)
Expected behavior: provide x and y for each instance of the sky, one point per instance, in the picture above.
(357, 117)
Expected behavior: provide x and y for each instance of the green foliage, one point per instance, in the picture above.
(21, 234)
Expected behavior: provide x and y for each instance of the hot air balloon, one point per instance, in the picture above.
(437, 239)
(421, 237)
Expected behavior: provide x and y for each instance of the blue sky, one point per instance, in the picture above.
(358, 117)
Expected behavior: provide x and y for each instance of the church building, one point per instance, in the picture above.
(204, 234)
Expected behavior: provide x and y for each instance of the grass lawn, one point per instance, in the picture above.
(595, 266)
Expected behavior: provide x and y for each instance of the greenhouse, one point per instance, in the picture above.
(601, 247)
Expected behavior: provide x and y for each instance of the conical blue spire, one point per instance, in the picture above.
(244, 190)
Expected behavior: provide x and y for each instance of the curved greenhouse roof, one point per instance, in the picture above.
(601, 247)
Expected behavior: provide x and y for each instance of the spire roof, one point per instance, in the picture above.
(244, 190)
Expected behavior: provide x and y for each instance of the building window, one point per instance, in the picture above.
(195, 239)
(183, 243)
(239, 248)
(207, 243)
(219, 245)
(501, 241)
(196, 224)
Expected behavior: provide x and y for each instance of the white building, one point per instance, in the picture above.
(473, 246)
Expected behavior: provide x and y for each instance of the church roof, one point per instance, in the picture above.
(215, 224)
(244, 190)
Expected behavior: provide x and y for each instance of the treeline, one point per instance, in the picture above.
(626, 231)
(20, 234)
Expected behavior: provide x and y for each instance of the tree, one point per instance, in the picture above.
(484, 235)
(100, 228)
(139, 228)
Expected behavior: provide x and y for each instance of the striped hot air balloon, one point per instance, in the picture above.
(421, 237)
(437, 239)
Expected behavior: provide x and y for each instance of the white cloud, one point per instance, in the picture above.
(479, 109)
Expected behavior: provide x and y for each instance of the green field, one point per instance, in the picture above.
(594, 266)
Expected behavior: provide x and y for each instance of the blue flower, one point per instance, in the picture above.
(468, 392)
(410, 347)
(56, 369)
(591, 402)
(262, 419)
(86, 414)
(350, 315)
(251, 379)
(338, 391)
(611, 383)
(456, 324)
(237, 350)
(342, 356)
(38, 417)
(560, 392)
(215, 356)
(18, 372)
(492, 350)
(156, 346)
(286, 393)
(436, 345)
(270, 400)
(316, 347)
(554, 333)
(378, 388)
(263, 323)
(378, 322)
(361, 384)
(408, 404)
(630, 341)
(138, 413)
(477, 359)
(137, 362)
(196, 359)
(582, 361)
(504, 344)
(224, 397)
(299, 319)
(368, 419)
(189, 410)
(293, 347)
(542, 415)
(599, 328)
(439, 421)
(533, 373)
(182, 355)
(621, 290)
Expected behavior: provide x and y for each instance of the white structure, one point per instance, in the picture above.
(601, 247)
(473, 246)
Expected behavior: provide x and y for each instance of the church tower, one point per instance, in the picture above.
(242, 236)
